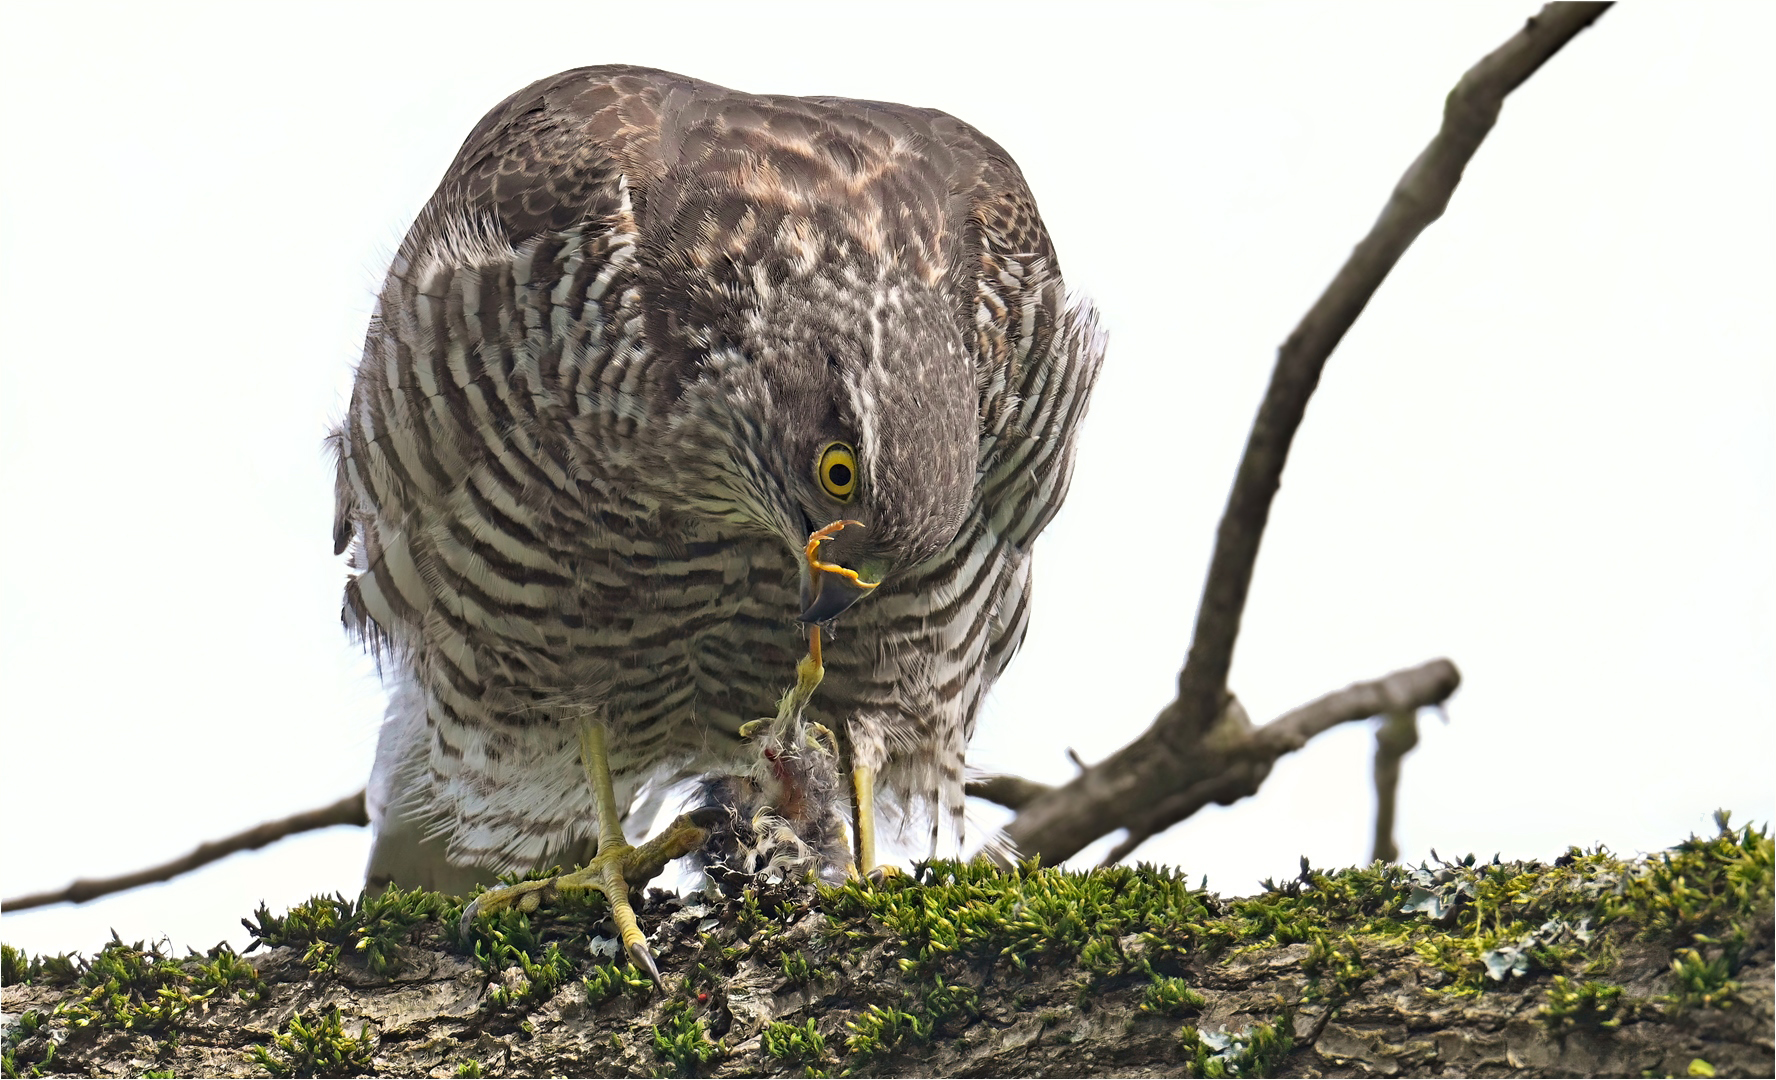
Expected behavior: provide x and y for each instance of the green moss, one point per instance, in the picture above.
(15, 966)
(1700, 887)
(683, 1042)
(753, 916)
(1485, 923)
(608, 980)
(1706, 899)
(140, 988)
(879, 1029)
(1479, 924)
(130, 988)
(469, 1070)
(1336, 967)
(25, 1026)
(1169, 995)
(222, 970)
(954, 927)
(320, 1048)
(1307, 907)
(548, 947)
(12, 1063)
(1111, 922)
(1590, 1004)
(976, 913)
(539, 980)
(134, 988)
(943, 1003)
(62, 969)
(1704, 982)
(371, 928)
(1253, 1051)
(795, 1045)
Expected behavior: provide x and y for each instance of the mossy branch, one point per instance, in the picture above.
(1593, 965)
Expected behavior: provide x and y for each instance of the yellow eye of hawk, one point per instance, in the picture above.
(837, 470)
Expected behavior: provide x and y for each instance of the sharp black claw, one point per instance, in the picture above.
(708, 817)
(644, 960)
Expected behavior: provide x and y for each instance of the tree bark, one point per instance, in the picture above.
(1125, 972)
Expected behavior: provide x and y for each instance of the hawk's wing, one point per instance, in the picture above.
(1038, 352)
(548, 158)
(538, 192)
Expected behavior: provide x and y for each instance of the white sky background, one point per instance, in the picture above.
(1545, 451)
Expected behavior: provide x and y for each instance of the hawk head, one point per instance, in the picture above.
(819, 389)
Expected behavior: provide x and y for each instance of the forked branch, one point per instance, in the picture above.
(1146, 772)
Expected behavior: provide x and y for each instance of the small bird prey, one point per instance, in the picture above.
(648, 335)
(781, 819)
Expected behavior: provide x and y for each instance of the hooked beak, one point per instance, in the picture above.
(834, 592)
(831, 589)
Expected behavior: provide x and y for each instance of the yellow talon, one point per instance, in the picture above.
(812, 553)
(824, 734)
(619, 865)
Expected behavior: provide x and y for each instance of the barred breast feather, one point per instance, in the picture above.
(526, 550)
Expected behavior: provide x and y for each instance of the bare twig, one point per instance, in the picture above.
(1011, 792)
(347, 811)
(1397, 735)
(1100, 800)
(1415, 688)
(1237, 758)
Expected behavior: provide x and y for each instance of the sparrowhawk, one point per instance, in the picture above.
(648, 335)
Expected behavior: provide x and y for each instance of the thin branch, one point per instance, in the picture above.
(347, 811)
(1412, 689)
(1099, 800)
(1232, 767)
(1011, 792)
(1396, 737)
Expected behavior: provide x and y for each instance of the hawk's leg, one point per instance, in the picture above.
(863, 778)
(863, 786)
(619, 865)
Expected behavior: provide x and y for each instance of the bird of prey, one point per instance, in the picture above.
(647, 336)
